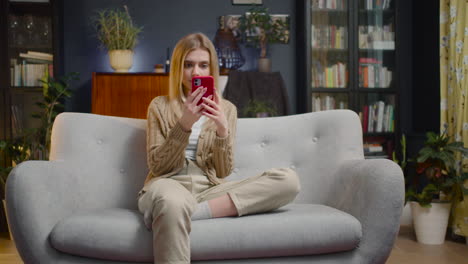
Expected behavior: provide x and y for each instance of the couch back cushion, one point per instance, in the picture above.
(110, 151)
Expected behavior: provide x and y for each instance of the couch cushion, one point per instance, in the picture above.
(296, 229)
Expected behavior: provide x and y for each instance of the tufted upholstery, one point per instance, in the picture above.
(98, 163)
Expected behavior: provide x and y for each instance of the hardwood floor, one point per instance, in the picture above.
(405, 251)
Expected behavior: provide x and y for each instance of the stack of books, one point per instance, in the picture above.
(32, 67)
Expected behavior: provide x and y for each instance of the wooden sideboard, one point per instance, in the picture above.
(126, 94)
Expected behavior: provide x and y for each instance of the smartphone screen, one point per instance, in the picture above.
(203, 81)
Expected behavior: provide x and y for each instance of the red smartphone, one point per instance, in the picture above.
(203, 81)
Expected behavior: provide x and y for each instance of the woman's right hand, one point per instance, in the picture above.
(192, 111)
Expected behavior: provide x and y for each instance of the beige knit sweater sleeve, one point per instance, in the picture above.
(165, 146)
(223, 148)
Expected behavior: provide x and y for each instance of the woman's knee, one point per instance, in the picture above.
(288, 180)
(173, 206)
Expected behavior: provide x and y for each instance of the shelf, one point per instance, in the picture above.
(379, 134)
(329, 90)
(31, 47)
(376, 90)
(377, 11)
(26, 89)
(329, 49)
(338, 11)
(376, 50)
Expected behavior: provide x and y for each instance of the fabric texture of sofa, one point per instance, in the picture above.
(81, 207)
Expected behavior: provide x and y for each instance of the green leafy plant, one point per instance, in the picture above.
(259, 28)
(115, 29)
(34, 143)
(438, 176)
(255, 107)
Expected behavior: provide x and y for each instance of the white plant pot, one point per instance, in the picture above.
(121, 60)
(430, 224)
(264, 65)
(406, 218)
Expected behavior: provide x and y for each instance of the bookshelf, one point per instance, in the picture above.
(28, 45)
(350, 62)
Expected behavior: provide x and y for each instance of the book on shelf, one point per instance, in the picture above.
(372, 74)
(16, 119)
(38, 56)
(329, 4)
(373, 147)
(328, 37)
(326, 102)
(334, 76)
(376, 4)
(29, 74)
(378, 117)
(376, 37)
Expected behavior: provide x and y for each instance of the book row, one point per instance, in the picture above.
(372, 74)
(29, 74)
(327, 102)
(16, 119)
(376, 4)
(329, 37)
(329, 4)
(376, 37)
(335, 76)
(378, 117)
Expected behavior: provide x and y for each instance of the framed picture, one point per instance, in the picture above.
(246, 2)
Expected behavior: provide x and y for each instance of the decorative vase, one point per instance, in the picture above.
(121, 60)
(430, 224)
(4, 208)
(264, 65)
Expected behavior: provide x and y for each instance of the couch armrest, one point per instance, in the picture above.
(373, 192)
(38, 195)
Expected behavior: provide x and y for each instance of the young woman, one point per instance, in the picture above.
(190, 151)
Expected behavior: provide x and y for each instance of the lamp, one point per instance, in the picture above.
(229, 54)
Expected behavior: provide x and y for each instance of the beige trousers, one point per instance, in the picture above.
(171, 202)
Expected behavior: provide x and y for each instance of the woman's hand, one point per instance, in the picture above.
(213, 110)
(192, 111)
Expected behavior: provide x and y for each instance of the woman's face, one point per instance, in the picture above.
(196, 63)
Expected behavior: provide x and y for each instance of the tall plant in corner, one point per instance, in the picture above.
(34, 143)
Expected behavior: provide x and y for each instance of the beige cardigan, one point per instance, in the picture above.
(166, 142)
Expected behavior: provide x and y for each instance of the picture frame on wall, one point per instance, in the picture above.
(246, 2)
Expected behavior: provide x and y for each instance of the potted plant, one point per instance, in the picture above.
(436, 186)
(118, 34)
(259, 29)
(257, 108)
(34, 143)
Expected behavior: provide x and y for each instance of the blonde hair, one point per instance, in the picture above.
(184, 46)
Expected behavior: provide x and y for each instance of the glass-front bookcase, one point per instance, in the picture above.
(28, 45)
(350, 63)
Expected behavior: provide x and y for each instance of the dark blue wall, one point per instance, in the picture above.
(164, 22)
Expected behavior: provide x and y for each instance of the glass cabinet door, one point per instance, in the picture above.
(329, 62)
(376, 44)
(30, 53)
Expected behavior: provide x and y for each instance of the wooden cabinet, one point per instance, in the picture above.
(126, 94)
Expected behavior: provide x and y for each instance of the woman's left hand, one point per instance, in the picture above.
(214, 111)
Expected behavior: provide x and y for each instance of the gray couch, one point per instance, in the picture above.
(80, 207)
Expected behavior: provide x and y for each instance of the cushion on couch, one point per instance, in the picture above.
(296, 229)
